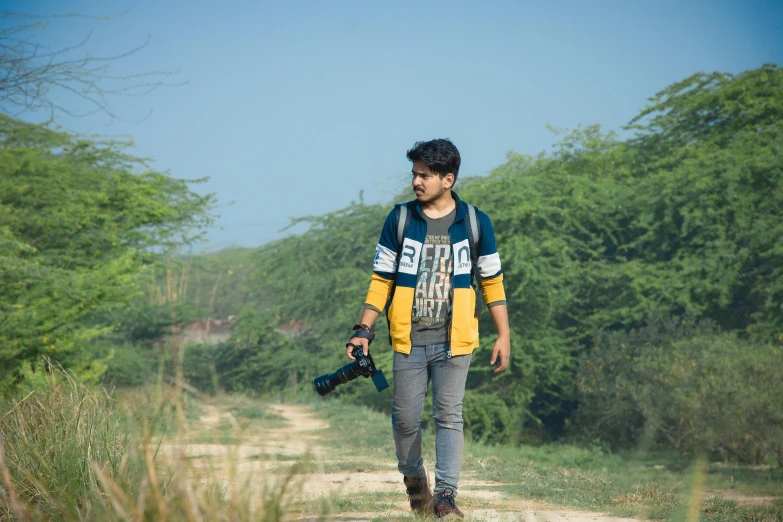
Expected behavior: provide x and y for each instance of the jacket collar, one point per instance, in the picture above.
(461, 212)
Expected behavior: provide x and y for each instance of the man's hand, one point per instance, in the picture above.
(369, 316)
(358, 341)
(502, 349)
(501, 353)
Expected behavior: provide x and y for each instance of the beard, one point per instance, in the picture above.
(429, 198)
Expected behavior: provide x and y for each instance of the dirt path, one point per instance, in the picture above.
(264, 457)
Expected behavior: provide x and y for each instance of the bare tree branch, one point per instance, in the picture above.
(34, 78)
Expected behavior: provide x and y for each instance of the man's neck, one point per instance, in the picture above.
(439, 207)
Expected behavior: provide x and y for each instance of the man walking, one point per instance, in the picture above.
(429, 252)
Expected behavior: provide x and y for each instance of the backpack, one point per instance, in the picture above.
(403, 215)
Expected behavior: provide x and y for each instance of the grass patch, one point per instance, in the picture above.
(236, 417)
(331, 467)
(349, 466)
(373, 501)
(650, 485)
(258, 411)
(73, 453)
(225, 433)
(274, 456)
(356, 431)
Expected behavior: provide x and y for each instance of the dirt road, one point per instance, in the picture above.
(267, 457)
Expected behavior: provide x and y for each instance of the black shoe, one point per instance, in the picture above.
(445, 505)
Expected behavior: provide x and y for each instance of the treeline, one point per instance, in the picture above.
(644, 279)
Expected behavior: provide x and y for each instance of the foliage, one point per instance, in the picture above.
(70, 452)
(52, 436)
(651, 485)
(80, 221)
(681, 219)
(686, 386)
(215, 283)
(258, 359)
(707, 227)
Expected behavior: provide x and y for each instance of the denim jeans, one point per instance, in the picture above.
(412, 373)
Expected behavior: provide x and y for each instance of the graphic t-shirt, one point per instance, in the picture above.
(432, 301)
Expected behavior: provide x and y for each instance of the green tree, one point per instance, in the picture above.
(684, 218)
(80, 221)
(709, 199)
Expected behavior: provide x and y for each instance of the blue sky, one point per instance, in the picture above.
(292, 108)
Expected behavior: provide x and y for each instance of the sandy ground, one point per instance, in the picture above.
(263, 460)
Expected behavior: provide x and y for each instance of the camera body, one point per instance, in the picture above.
(362, 366)
(365, 364)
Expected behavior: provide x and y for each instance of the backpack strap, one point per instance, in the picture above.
(402, 224)
(474, 232)
(474, 239)
(403, 214)
(403, 218)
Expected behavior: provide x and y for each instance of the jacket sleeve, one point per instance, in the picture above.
(489, 264)
(384, 265)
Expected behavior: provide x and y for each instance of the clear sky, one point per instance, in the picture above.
(292, 108)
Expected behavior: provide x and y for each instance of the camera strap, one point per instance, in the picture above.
(474, 239)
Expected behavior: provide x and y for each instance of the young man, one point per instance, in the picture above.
(425, 279)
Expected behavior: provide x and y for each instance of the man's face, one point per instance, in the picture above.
(428, 185)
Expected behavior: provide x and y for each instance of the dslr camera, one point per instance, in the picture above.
(363, 366)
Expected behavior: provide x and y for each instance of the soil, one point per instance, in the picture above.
(264, 459)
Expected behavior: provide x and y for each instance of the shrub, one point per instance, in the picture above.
(489, 419)
(51, 438)
(130, 365)
(198, 367)
(687, 387)
(69, 453)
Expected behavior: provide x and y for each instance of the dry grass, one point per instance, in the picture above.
(72, 453)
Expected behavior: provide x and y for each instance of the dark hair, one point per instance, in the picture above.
(441, 156)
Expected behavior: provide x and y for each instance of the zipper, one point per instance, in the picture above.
(448, 352)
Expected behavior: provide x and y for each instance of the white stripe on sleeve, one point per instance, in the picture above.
(385, 260)
(489, 265)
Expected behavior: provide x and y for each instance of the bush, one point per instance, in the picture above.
(51, 438)
(198, 367)
(130, 366)
(258, 359)
(69, 453)
(687, 387)
(489, 419)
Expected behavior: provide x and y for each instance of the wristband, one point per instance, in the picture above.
(362, 331)
(362, 326)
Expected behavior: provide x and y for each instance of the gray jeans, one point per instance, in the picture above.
(412, 373)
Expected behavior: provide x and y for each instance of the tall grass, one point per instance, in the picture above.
(69, 452)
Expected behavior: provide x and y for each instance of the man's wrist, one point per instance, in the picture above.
(362, 326)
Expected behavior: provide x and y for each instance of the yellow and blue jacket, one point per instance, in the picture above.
(395, 276)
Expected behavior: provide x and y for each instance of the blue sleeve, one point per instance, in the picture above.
(489, 259)
(385, 262)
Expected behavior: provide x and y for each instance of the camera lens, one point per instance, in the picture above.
(325, 384)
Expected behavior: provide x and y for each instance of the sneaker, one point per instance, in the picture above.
(445, 505)
(419, 493)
